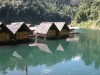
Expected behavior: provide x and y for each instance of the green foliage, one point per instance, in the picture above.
(86, 24)
(88, 12)
(98, 22)
(35, 11)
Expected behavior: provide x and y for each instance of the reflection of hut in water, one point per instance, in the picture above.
(5, 54)
(20, 31)
(62, 27)
(52, 44)
(5, 57)
(57, 45)
(44, 48)
(14, 57)
(47, 30)
(4, 33)
(60, 48)
(23, 50)
(40, 57)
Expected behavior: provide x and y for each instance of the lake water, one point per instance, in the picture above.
(77, 55)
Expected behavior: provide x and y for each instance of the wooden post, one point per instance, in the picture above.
(26, 69)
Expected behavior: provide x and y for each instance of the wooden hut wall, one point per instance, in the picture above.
(52, 31)
(4, 34)
(4, 37)
(22, 33)
(64, 30)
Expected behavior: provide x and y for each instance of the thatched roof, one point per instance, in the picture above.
(59, 25)
(43, 27)
(3, 27)
(29, 25)
(14, 27)
(33, 28)
(0, 23)
(36, 25)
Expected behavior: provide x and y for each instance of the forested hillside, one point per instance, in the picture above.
(35, 11)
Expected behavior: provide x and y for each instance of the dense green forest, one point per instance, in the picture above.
(36, 11)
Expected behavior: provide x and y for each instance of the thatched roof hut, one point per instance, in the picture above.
(44, 27)
(63, 29)
(19, 31)
(47, 29)
(61, 25)
(2, 26)
(14, 27)
(4, 34)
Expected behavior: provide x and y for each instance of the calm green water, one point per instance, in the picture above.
(76, 55)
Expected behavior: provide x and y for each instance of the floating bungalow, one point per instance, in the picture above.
(4, 33)
(47, 30)
(63, 28)
(52, 30)
(19, 31)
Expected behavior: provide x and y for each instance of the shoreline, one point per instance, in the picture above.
(90, 24)
(92, 27)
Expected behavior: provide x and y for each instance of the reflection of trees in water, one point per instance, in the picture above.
(87, 47)
(39, 57)
(33, 56)
(4, 58)
(8, 61)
